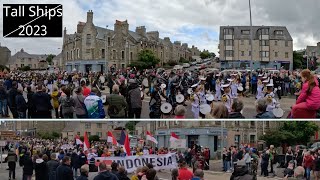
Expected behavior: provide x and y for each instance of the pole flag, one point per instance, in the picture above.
(78, 141)
(86, 144)
(122, 138)
(111, 138)
(151, 138)
(127, 145)
(174, 137)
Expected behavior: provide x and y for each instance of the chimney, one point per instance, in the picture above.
(141, 30)
(90, 16)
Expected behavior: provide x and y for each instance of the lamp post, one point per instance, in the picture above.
(106, 51)
(251, 36)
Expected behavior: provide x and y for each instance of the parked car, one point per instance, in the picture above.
(315, 146)
(185, 65)
(178, 67)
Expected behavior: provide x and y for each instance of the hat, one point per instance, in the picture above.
(132, 81)
(270, 85)
(260, 75)
(225, 85)
(265, 81)
(202, 78)
(205, 108)
(230, 80)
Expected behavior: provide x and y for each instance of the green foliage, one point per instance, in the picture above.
(49, 58)
(47, 135)
(3, 67)
(204, 55)
(172, 63)
(298, 60)
(55, 134)
(25, 68)
(131, 125)
(82, 138)
(146, 59)
(292, 132)
(183, 60)
(94, 138)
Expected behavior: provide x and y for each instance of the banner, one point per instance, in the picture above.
(131, 163)
(178, 144)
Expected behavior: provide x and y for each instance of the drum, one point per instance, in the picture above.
(142, 94)
(179, 98)
(104, 99)
(163, 86)
(194, 86)
(209, 97)
(166, 108)
(145, 82)
(278, 112)
(240, 88)
(205, 109)
(190, 91)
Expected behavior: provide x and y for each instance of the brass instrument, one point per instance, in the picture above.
(259, 81)
(269, 99)
(298, 85)
(224, 98)
(217, 81)
(265, 89)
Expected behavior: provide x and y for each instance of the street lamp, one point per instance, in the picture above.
(106, 51)
(251, 35)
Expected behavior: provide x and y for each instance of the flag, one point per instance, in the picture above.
(174, 137)
(151, 138)
(111, 138)
(127, 145)
(78, 141)
(86, 144)
(122, 138)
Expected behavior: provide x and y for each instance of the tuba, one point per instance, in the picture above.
(224, 98)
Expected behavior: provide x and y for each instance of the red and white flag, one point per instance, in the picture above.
(78, 141)
(174, 137)
(111, 138)
(127, 145)
(151, 138)
(86, 144)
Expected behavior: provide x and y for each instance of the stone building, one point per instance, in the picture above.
(5, 55)
(209, 133)
(313, 51)
(272, 47)
(22, 58)
(93, 48)
(57, 61)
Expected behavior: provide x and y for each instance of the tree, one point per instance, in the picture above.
(298, 60)
(25, 68)
(131, 125)
(3, 67)
(172, 63)
(146, 59)
(183, 60)
(55, 134)
(204, 55)
(50, 58)
(94, 138)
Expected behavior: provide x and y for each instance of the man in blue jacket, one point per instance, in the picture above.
(94, 105)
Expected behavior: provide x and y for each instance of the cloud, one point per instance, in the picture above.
(193, 22)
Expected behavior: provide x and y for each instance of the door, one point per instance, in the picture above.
(215, 143)
(192, 140)
(88, 67)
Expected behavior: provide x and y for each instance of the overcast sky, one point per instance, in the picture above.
(195, 22)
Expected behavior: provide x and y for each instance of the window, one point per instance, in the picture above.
(229, 42)
(275, 54)
(114, 54)
(122, 55)
(242, 53)
(71, 54)
(103, 53)
(88, 51)
(218, 122)
(264, 53)
(313, 54)
(29, 59)
(276, 43)
(89, 134)
(99, 134)
(131, 55)
(229, 53)
(22, 65)
(286, 43)
(67, 55)
(109, 41)
(161, 55)
(78, 133)
(30, 65)
(228, 31)
(88, 41)
(252, 138)
(249, 53)
(242, 42)
(264, 43)
(252, 124)
(237, 123)
(99, 125)
(250, 42)
(87, 125)
(122, 65)
(264, 31)
(286, 55)
(279, 32)
(245, 32)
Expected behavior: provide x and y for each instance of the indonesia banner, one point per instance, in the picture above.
(131, 163)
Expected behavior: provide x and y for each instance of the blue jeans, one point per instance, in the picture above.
(308, 172)
(3, 107)
(224, 165)
(22, 115)
(228, 163)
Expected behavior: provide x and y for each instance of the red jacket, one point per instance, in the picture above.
(308, 160)
(313, 99)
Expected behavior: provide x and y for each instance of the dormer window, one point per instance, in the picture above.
(245, 32)
(228, 31)
(264, 31)
(279, 32)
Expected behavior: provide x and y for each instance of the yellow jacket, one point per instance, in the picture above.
(55, 99)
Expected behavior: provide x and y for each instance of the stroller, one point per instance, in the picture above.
(241, 172)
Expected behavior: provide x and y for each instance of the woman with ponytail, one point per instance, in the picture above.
(308, 101)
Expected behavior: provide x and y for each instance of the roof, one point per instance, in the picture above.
(238, 35)
(312, 48)
(101, 32)
(57, 57)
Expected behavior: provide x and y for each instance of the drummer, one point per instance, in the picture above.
(227, 97)
(270, 97)
(195, 105)
(218, 89)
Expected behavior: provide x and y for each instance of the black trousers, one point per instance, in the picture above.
(12, 169)
(254, 89)
(14, 112)
(134, 113)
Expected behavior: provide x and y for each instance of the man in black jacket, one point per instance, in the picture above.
(64, 171)
(236, 109)
(82, 158)
(42, 104)
(53, 164)
(21, 105)
(27, 166)
(104, 173)
(12, 100)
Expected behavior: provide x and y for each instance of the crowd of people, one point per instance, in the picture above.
(37, 95)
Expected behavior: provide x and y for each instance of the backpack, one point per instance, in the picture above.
(112, 109)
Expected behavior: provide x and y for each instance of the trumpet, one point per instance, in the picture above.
(224, 98)
(265, 89)
(269, 99)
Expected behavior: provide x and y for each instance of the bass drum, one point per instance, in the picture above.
(104, 99)
(166, 108)
(145, 82)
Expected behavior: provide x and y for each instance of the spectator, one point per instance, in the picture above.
(114, 168)
(75, 163)
(67, 104)
(122, 175)
(11, 159)
(198, 175)
(151, 174)
(82, 158)
(86, 90)
(42, 104)
(52, 166)
(55, 100)
(41, 168)
(308, 159)
(150, 166)
(94, 105)
(21, 105)
(134, 99)
(64, 171)
(104, 173)
(138, 174)
(80, 108)
(84, 172)
(180, 112)
(184, 173)
(174, 174)
(30, 103)
(289, 171)
(61, 155)
(3, 101)
(27, 166)
(12, 94)
(117, 104)
(236, 109)
(220, 112)
(261, 108)
(298, 174)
